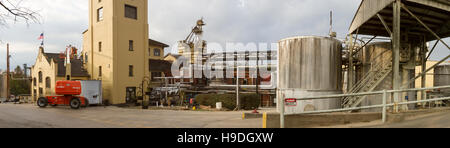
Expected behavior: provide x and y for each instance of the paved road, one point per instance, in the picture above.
(30, 116)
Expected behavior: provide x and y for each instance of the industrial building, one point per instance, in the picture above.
(117, 49)
(387, 41)
(386, 49)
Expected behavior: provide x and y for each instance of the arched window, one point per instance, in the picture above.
(48, 82)
(40, 77)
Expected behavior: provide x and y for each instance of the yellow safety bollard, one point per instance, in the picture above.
(264, 120)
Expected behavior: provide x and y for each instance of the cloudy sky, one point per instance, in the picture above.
(245, 21)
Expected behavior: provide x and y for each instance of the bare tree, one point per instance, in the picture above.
(12, 10)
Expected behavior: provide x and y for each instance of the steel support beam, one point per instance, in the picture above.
(424, 25)
(396, 50)
(424, 73)
(434, 47)
(385, 24)
(424, 67)
(359, 49)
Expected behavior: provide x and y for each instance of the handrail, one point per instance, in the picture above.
(372, 72)
(367, 93)
(384, 105)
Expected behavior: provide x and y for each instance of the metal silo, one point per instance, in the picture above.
(442, 76)
(309, 66)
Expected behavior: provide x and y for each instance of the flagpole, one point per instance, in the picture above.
(43, 39)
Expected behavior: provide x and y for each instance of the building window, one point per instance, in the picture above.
(130, 12)
(157, 52)
(99, 46)
(100, 71)
(41, 92)
(131, 45)
(34, 81)
(100, 14)
(85, 57)
(130, 71)
(40, 77)
(47, 82)
(156, 75)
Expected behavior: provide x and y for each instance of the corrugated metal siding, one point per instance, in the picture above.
(367, 10)
(442, 75)
(440, 4)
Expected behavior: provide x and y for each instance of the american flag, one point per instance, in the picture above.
(41, 37)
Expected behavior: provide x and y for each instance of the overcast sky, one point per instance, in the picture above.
(245, 21)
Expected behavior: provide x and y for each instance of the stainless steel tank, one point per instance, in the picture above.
(442, 76)
(309, 66)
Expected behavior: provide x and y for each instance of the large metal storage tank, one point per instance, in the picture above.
(309, 66)
(442, 76)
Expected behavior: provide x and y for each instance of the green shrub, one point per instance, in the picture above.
(247, 101)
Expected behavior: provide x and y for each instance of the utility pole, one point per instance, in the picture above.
(8, 96)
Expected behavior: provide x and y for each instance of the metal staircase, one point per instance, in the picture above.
(369, 82)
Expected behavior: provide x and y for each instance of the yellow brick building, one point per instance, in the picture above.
(117, 48)
(429, 80)
(49, 68)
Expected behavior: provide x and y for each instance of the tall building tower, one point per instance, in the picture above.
(115, 46)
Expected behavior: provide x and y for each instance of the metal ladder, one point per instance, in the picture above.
(369, 82)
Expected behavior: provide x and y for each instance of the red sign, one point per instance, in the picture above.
(290, 102)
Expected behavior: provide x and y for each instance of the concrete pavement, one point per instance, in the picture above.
(434, 120)
(30, 116)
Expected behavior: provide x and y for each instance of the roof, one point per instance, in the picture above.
(160, 66)
(76, 65)
(76, 68)
(52, 56)
(174, 55)
(434, 13)
(156, 43)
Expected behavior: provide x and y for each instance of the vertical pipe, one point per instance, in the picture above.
(384, 106)
(282, 112)
(396, 52)
(350, 64)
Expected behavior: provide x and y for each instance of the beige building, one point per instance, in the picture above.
(429, 78)
(117, 49)
(51, 67)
